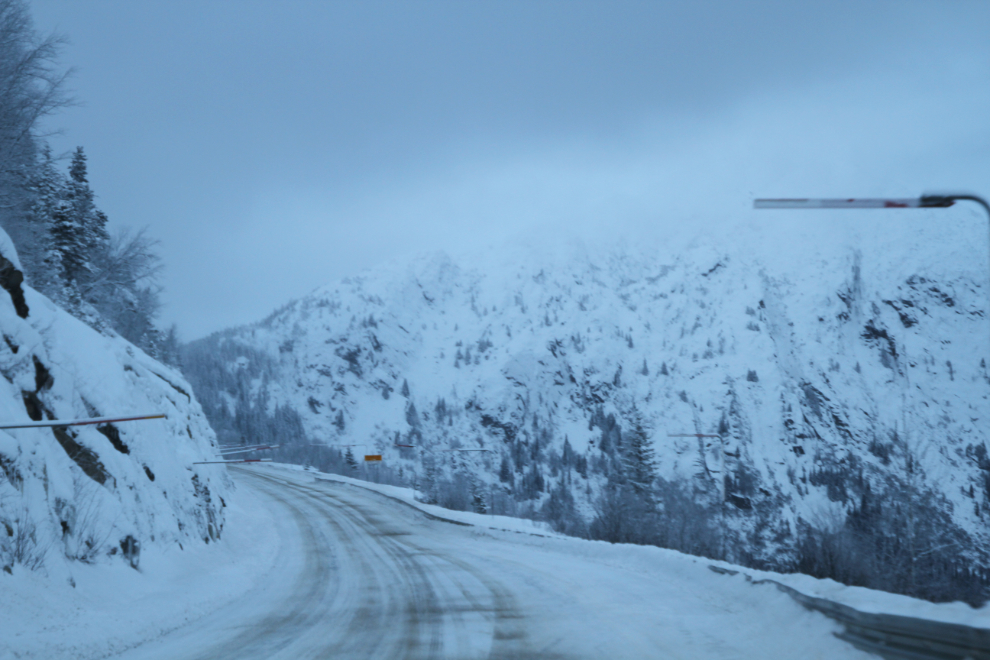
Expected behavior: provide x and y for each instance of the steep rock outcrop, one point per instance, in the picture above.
(88, 493)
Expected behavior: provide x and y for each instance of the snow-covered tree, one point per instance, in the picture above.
(104, 280)
(505, 474)
(41, 263)
(478, 503)
(79, 231)
(638, 457)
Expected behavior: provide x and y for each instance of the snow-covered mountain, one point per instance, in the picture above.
(837, 373)
(85, 493)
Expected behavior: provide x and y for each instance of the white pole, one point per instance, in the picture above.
(80, 422)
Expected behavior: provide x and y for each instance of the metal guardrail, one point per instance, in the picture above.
(892, 636)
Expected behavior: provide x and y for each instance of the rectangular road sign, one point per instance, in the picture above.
(372, 457)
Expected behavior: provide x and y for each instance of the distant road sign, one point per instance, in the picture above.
(373, 457)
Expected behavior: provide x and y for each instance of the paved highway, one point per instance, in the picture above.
(360, 575)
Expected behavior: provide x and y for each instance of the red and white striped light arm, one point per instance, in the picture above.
(855, 203)
(923, 202)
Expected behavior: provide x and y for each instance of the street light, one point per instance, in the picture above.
(926, 201)
(923, 202)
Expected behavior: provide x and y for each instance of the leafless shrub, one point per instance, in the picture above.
(23, 545)
(87, 530)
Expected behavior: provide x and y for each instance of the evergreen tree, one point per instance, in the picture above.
(67, 252)
(505, 472)
(532, 483)
(478, 497)
(80, 196)
(638, 457)
(79, 231)
(349, 457)
(429, 488)
(43, 263)
(567, 455)
(560, 511)
(169, 352)
(610, 522)
(581, 466)
(412, 416)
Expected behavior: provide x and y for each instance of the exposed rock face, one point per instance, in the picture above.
(11, 280)
(85, 492)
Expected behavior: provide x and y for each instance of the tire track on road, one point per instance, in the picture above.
(442, 599)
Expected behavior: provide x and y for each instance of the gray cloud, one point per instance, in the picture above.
(277, 146)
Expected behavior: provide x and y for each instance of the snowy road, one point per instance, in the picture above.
(360, 575)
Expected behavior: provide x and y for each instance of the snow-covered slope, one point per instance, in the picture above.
(85, 493)
(835, 371)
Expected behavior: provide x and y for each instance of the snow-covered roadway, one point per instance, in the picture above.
(361, 575)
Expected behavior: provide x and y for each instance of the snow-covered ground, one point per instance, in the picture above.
(642, 557)
(112, 607)
(314, 563)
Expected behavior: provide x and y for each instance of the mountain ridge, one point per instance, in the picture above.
(830, 380)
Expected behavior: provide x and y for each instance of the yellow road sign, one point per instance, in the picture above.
(373, 457)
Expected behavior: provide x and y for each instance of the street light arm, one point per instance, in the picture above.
(967, 197)
(948, 200)
(923, 202)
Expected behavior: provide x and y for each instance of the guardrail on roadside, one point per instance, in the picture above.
(893, 636)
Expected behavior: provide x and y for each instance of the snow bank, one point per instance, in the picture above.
(113, 608)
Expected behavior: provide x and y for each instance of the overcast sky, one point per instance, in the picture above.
(276, 146)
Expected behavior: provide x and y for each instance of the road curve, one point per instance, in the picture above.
(360, 575)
